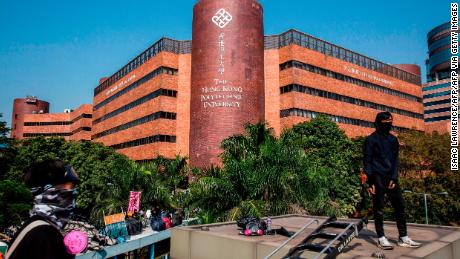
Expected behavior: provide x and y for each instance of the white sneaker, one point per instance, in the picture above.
(407, 242)
(383, 243)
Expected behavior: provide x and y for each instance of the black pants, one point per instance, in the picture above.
(396, 200)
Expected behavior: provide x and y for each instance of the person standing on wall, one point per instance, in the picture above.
(381, 162)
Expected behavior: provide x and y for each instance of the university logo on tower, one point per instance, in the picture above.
(222, 18)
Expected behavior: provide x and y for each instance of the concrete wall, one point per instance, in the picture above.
(192, 244)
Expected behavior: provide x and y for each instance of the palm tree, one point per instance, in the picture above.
(128, 176)
(309, 167)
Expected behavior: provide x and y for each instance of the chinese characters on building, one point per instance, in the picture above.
(361, 73)
(221, 92)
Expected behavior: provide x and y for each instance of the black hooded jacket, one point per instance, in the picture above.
(381, 154)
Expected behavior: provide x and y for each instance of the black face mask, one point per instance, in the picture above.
(384, 128)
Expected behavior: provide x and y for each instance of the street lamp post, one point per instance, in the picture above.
(425, 200)
(426, 208)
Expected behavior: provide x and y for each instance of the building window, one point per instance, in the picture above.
(51, 123)
(348, 79)
(445, 93)
(307, 41)
(338, 119)
(145, 119)
(445, 109)
(146, 78)
(32, 135)
(145, 141)
(436, 102)
(440, 118)
(164, 44)
(133, 104)
(347, 99)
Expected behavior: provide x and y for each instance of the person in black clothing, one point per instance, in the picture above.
(52, 185)
(381, 161)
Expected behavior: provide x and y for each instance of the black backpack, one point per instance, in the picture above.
(242, 222)
(157, 224)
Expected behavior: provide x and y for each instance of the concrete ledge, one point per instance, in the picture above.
(221, 240)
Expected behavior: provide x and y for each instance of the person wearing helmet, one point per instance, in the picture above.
(381, 161)
(52, 183)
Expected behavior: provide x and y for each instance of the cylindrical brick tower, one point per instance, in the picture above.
(23, 106)
(227, 88)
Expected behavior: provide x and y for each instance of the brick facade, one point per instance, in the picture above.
(356, 120)
(72, 125)
(21, 107)
(227, 80)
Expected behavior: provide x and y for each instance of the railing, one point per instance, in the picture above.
(130, 245)
(292, 237)
(313, 43)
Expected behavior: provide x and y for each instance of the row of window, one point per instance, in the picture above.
(436, 102)
(440, 118)
(435, 87)
(164, 44)
(439, 44)
(348, 79)
(445, 49)
(337, 119)
(435, 74)
(145, 141)
(438, 29)
(59, 134)
(446, 109)
(81, 129)
(145, 119)
(51, 123)
(275, 41)
(47, 123)
(83, 115)
(347, 99)
(436, 94)
(150, 96)
(307, 41)
(32, 135)
(438, 36)
(154, 73)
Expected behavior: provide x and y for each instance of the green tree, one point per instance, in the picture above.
(172, 171)
(332, 153)
(106, 176)
(15, 201)
(7, 149)
(425, 168)
(309, 168)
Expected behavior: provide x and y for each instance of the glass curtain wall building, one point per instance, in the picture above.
(436, 92)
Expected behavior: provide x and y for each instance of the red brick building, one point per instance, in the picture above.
(23, 106)
(139, 111)
(71, 125)
(144, 109)
(156, 103)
